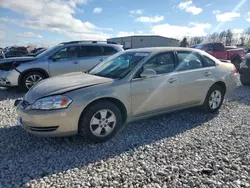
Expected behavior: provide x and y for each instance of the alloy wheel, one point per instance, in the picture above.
(215, 99)
(103, 123)
(32, 80)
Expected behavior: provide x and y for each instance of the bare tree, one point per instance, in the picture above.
(242, 39)
(215, 36)
(222, 35)
(196, 40)
(229, 37)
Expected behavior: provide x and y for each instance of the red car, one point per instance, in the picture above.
(219, 51)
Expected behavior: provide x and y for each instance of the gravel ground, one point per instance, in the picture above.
(182, 149)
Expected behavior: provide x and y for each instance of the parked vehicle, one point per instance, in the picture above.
(245, 70)
(219, 51)
(63, 58)
(247, 50)
(15, 53)
(2, 56)
(230, 47)
(36, 50)
(127, 86)
(36, 53)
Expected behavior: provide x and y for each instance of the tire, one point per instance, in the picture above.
(236, 60)
(245, 83)
(28, 77)
(245, 80)
(207, 107)
(92, 125)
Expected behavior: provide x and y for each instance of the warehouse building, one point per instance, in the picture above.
(143, 41)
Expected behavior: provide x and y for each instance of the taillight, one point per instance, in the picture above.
(242, 53)
(235, 71)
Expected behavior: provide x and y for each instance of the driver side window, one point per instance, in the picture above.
(162, 63)
(62, 54)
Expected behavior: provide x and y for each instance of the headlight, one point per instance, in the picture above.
(53, 102)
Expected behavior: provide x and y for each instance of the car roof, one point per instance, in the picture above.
(92, 44)
(162, 49)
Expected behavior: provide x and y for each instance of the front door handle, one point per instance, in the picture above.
(207, 73)
(101, 59)
(172, 80)
(75, 62)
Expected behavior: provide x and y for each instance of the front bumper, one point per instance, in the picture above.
(51, 123)
(9, 78)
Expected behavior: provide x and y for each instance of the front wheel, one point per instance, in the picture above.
(214, 99)
(100, 122)
(30, 79)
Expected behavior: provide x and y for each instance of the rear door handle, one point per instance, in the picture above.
(172, 80)
(207, 73)
(75, 62)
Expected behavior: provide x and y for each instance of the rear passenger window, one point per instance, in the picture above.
(188, 61)
(109, 50)
(67, 53)
(208, 62)
(86, 51)
(218, 47)
(208, 48)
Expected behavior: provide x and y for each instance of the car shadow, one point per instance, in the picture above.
(25, 157)
(10, 93)
(241, 94)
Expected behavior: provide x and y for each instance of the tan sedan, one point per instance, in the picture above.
(128, 86)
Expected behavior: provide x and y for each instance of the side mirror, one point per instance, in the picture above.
(148, 73)
(55, 58)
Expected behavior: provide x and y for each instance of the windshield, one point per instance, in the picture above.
(48, 51)
(119, 65)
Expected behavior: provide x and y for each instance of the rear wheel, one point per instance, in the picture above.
(100, 122)
(30, 79)
(245, 83)
(214, 99)
(245, 80)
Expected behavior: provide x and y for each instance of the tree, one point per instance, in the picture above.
(196, 40)
(247, 31)
(222, 35)
(214, 36)
(229, 37)
(242, 39)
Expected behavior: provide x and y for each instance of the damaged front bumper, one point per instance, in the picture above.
(9, 78)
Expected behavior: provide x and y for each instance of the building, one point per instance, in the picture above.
(142, 41)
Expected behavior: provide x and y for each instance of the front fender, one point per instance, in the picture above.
(85, 96)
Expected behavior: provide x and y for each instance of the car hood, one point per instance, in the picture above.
(62, 84)
(17, 59)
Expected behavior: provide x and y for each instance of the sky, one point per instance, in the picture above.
(48, 22)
